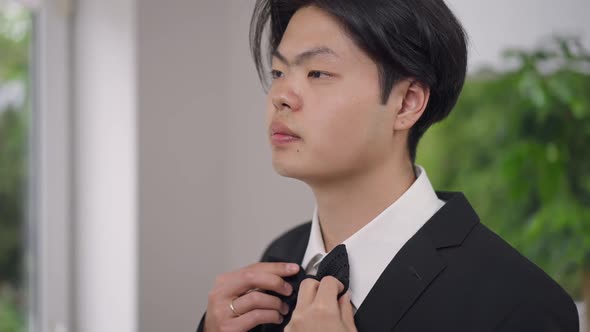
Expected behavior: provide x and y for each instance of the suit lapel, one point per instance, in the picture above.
(400, 284)
(291, 249)
(416, 265)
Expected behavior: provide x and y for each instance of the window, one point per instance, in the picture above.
(35, 172)
(15, 113)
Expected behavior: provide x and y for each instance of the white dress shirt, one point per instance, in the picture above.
(373, 247)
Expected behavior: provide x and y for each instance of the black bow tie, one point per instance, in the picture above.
(334, 264)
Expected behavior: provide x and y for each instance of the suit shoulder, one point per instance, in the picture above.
(511, 269)
(506, 285)
(288, 240)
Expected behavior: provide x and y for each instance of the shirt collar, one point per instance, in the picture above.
(315, 246)
(386, 234)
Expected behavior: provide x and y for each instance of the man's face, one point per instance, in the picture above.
(326, 91)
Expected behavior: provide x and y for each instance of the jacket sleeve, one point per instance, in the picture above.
(542, 315)
(201, 327)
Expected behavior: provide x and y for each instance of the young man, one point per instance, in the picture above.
(355, 84)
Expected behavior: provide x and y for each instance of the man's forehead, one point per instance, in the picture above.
(299, 57)
(310, 27)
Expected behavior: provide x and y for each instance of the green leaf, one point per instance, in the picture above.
(517, 144)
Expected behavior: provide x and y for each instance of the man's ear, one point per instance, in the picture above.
(415, 97)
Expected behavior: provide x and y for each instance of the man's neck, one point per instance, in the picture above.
(346, 206)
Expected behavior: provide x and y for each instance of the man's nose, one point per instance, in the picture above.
(285, 97)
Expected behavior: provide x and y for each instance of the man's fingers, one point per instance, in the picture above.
(346, 310)
(254, 318)
(259, 300)
(244, 289)
(248, 279)
(328, 291)
(280, 269)
(307, 292)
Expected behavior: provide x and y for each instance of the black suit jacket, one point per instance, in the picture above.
(455, 275)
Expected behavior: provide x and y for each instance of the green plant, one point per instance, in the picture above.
(14, 47)
(518, 145)
(12, 183)
(11, 320)
(15, 31)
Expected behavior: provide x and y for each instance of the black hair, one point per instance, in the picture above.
(420, 39)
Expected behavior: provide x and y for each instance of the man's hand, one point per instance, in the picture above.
(318, 308)
(241, 289)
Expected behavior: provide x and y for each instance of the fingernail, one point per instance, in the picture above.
(288, 288)
(292, 267)
(284, 308)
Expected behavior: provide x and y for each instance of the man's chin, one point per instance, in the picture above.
(288, 170)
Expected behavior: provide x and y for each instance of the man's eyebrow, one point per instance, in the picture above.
(304, 56)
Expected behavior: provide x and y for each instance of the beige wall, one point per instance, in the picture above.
(182, 106)
(209, 200)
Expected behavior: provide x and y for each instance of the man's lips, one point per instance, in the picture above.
(280, 139)
(280, 130)
(281, 134)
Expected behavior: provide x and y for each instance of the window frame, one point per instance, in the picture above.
(49, 255)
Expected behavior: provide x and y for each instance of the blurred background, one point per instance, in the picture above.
(134, 166)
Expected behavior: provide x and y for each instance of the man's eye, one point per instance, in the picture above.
(275, 74)
(317, 74)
